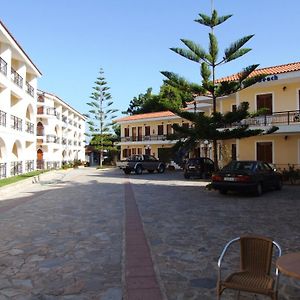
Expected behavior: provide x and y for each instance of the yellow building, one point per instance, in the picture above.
(147, 134)
(279, 92)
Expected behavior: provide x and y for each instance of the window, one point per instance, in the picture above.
(185, 125)
(160, 129)
(233, 107)
(265, 101)
(169, 129)
(133, 151)
(264, 151)
(139, 150)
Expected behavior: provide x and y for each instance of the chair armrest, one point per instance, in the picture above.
(223, 254)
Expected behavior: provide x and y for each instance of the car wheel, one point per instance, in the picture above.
(223, 191)
(127, 171)
(161, 169)
(138, 170)
(258, 190)
(186, 176)
(150, 171)
(278, 185)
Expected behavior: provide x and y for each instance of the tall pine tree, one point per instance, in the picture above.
(100, 116)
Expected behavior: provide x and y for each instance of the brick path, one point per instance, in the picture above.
(140, 277)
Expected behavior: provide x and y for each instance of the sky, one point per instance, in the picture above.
(70, 40)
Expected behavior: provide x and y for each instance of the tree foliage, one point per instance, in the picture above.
(100, 116)
(212, 127)
(169, 98)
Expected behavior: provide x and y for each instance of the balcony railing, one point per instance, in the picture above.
(29, 127)
(29, 89)
(142, 138)
(291, 117)
(3, 66)
(52, 139)
(16, 78)
(2, 170)
(52, 164)
(16, 123)
(51, 111)
(2, 118)
(40, 164)
(16, 168)
(29, 165)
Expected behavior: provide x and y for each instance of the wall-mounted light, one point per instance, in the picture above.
(284, 88)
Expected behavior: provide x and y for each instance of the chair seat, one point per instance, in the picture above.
(249, 282)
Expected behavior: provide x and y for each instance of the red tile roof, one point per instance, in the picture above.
(153, 115)
(291, 67)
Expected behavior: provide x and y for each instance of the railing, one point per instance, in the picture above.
(29, 89)
(142, 138)
(16, 78)
(16, 123)
(29, 127)
(52, 139)
(29, 165)
(51, 111)
(16, 168)
(52, 164)
(3, 66)
(2, 170)
(277, 118)
(2, 118)
(40, 164)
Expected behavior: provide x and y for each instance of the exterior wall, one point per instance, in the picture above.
(18, 94)
(60, 136)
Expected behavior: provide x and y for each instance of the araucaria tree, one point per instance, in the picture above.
(208, 127)
(100, 116)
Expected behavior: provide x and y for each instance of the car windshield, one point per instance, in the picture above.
(240, 166)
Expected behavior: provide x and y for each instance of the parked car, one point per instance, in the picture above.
(201, 167)
(249, 176)
(139, 163)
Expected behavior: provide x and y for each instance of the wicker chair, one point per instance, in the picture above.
(254, 275)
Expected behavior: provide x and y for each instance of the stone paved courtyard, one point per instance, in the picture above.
(63, 238)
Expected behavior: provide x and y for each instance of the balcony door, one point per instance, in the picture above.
(264, 151)
(140, 133)
(265, 101)
(134, 133)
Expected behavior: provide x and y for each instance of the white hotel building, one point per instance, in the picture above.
(21, 117)
(60, 132)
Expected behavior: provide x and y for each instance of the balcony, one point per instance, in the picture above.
(16, 78)
(291, 117)
(16, 168)
(2, 118)
(143, 138)
(29, 127)
(52, 139)
(2, 170)
(3, 66)
(29, 166)
(29, 89)
(16, 123)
